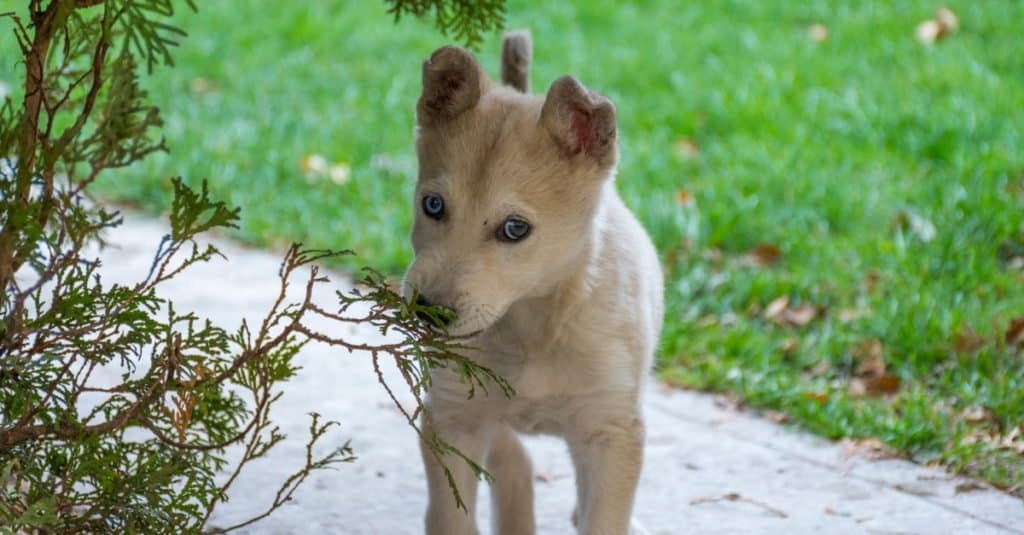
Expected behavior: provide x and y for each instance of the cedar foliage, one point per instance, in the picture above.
(142, 455)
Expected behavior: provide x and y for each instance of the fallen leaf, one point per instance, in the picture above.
(1015, 332)
(780, 313)
(776, 308)
(790, 345)
(687, 148)
(684, 198)
(801, 315)
(820, 398)
(871, 280)
(918, 489)
(872, 377)
(313, 164)
(967, 342)
(875, 386)
(870, 358)
(1012, 440)
(765, 255)
(713, 255)
(908, 221)
(969, 486)
(817, 32)
(868, 448)
(728, 402)
(819, 369)
(709, 320)
(928, 32)
(544, 477)
(201, 86)
(339, 173)
(947, 20)
(846, 315)
(773, 416)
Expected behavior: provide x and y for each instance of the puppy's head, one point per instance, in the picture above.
(508, 189)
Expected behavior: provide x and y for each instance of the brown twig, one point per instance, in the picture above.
(736, 497)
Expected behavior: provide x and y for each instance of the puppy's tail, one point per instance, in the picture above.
(516, 51)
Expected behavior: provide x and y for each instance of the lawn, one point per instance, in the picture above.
(841, 220)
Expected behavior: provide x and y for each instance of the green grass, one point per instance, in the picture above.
(815, 148)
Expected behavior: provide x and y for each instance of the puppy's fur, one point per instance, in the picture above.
(570, 314)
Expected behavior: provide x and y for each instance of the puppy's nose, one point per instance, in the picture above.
(435, 320)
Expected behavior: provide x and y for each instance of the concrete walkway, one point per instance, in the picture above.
(708, 468)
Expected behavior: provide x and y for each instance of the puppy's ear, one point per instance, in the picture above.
(581, 121)
(452, 82)
(516, 50)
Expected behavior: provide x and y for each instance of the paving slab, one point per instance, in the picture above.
(708, 468)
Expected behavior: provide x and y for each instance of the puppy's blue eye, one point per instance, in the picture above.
(433, 206)
(514, 229)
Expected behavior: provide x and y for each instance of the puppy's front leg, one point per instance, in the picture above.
(610, 456)
(444, 517)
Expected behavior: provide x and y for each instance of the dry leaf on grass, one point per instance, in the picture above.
(871, 281)
(764, 255)
(817, 32)
(819, 369)
(201, 86)
(776, 307)
(943, 25)
(907, 220)
(870, 360)
(789, 346)
(1015, 332)
(316, 166)
(687, 148)
(976, 414)
(875, 386)
(313, 166)
(1013, 440)
(820, 398)
(684, 198)
(928, 32)
(782, 314)
(967, 342)
(713, 255)
(339, 173)
(872, 378)
(846, 315)
(947, 19)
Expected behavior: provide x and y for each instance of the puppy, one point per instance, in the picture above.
(520, 231)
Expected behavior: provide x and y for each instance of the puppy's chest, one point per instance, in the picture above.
(550, 384)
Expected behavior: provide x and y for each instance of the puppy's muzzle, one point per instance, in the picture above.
(437, 320)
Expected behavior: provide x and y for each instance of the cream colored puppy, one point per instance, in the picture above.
(520, 231)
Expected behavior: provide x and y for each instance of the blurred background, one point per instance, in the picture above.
(836, 188)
